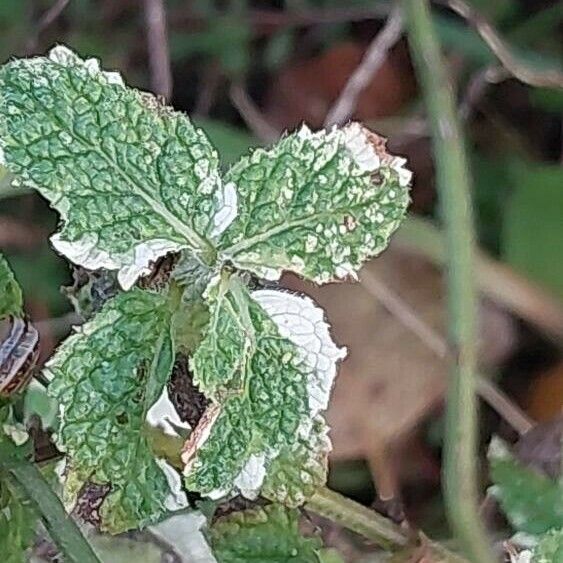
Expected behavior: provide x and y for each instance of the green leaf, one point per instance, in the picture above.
(11, 300)
(549, 548)
(532, 502)
(266, 535)
(106, 378)
(536, 207)
(301, 467)
(17, 524)
(267, 364)
(319, 204)
(131, 178)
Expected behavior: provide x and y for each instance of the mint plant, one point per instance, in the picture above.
(135, 181)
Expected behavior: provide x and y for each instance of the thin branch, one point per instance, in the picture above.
(374, 57)
(46, 21)
(157, 47)
(28, 480)
(543, 78)
(497, 281)
(460, 459)
(252, 116)
(409, 318)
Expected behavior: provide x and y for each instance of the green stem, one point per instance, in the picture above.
(28, 480)
(357, 518)
(460, 465)
(369, 524)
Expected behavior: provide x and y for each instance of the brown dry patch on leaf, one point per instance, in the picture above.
(304, 91)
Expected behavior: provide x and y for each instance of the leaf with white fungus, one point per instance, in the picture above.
(318, 204)
(549, 548)
(106, 378)
(131, 178)
(267, 364)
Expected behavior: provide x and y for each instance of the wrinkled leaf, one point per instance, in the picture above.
(105, 379)
(318, 204)
(532, 502)
(266, 535)
(11, 300)
(267, 364)
(131, 178)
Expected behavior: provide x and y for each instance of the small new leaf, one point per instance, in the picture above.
(532, 502)
(266, 535)
(267, 364)
(11, 301)
(105, 379)
(319, 204)
(131, 178)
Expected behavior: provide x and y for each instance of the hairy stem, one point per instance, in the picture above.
(460, 464)
(28, 480)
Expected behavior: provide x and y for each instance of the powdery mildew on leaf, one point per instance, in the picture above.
(105, 378)
(267, 364)
(131, 178)
(318, 204)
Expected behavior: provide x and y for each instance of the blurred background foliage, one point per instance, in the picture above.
(247, 70)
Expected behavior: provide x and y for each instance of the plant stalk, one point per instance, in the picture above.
(453, 183)
(371, 525)
(28, 480)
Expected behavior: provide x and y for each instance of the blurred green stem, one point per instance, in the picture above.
(28, 480)
(460, 463)
(373, 526)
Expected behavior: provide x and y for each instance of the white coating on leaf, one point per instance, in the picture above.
(363, 152)
(251, 477)
(163, 415)
(177, 500)
(227, 209)
(61, 54)
(302, 322)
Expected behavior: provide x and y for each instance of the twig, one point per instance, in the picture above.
(460, 459)
(46, 21)
(252, 115)
(407, 315)
(544, 78)
(28, 480)
(477, 86)
(497, 281)
(157, 46)
(374, 57)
